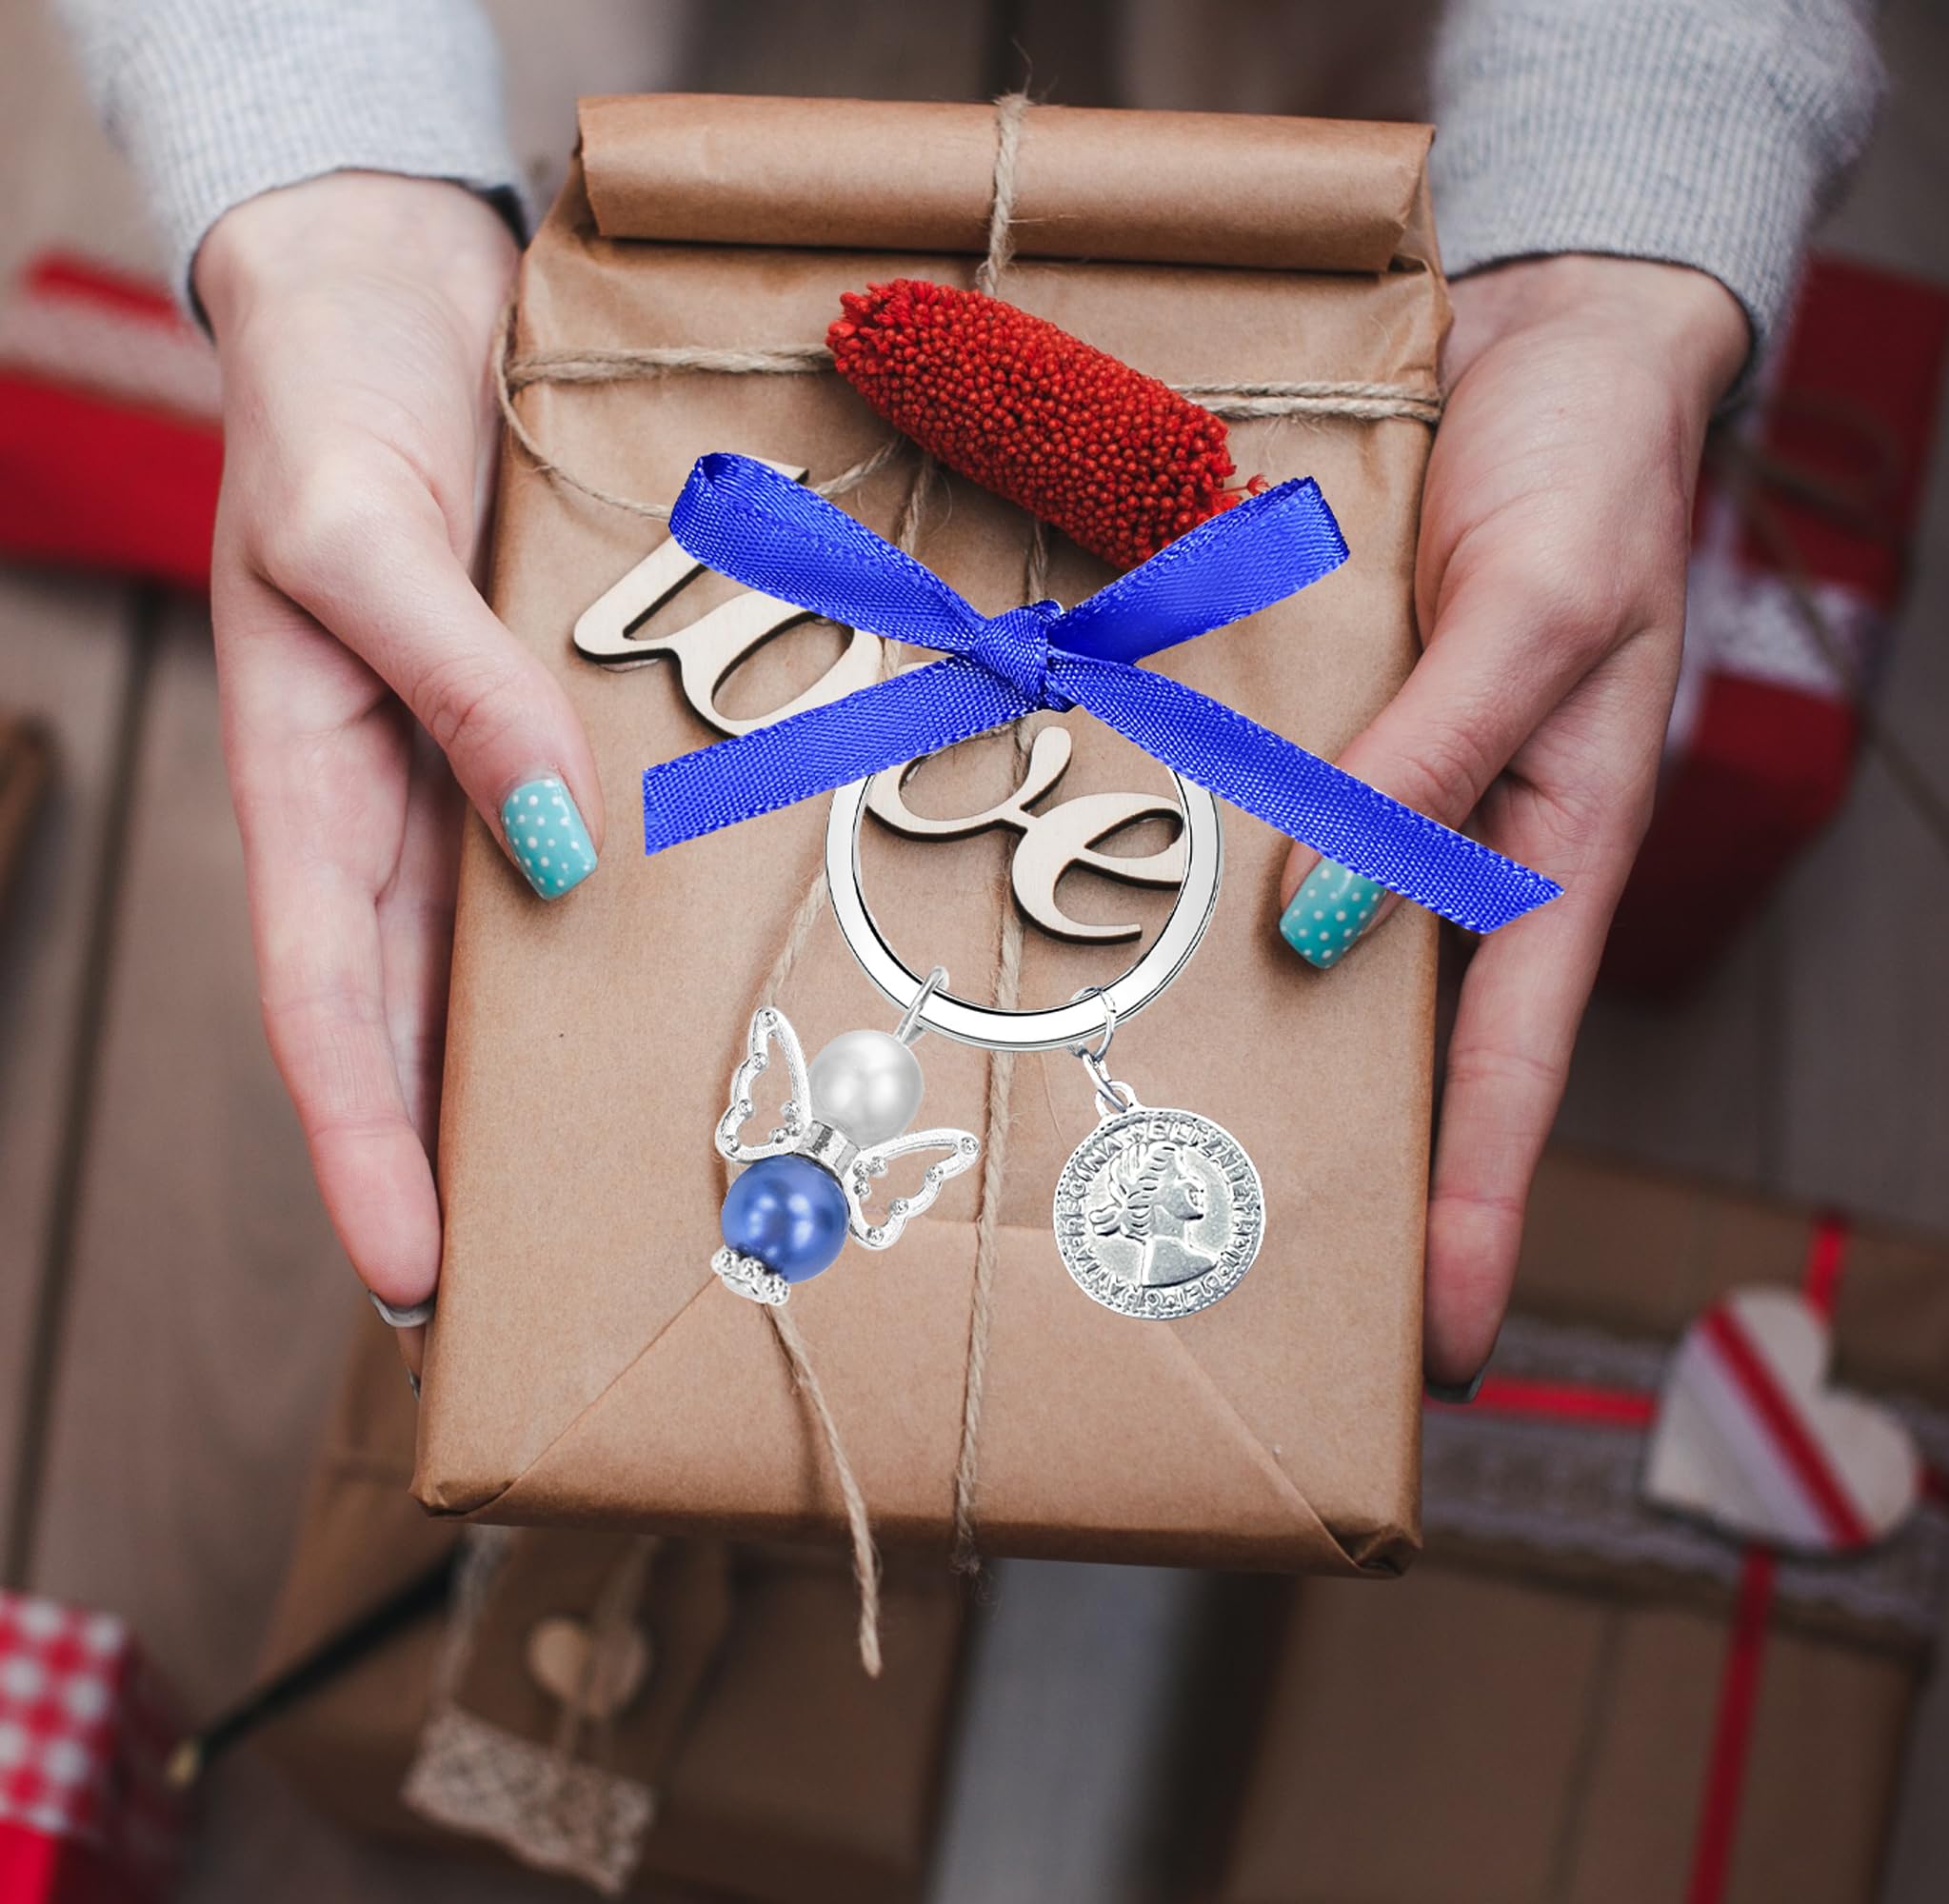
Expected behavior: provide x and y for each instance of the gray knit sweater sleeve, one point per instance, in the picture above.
(1703, 133)
(215, 101)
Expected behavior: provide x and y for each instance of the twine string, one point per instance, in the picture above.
(859, 1523)
(1010, 109)
(1362, 403)
(791, 1341)
(614, 367)
(1231, 403)
(608, 366)
(1234, 403)
(963, 1556)
(612, 1620)
(1010, 113)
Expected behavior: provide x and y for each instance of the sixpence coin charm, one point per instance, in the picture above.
(1159, 1213)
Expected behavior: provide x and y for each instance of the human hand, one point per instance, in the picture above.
(354, 317)
(1550, 590)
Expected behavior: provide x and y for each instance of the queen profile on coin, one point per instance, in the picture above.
(1155, 1199)
(1158, 1213)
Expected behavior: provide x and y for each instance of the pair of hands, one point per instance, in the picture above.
(367, 687)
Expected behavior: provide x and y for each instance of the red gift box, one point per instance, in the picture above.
(1806, 510)
(86, 1815)
(109, 446)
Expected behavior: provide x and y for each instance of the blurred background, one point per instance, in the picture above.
(1773, 1042)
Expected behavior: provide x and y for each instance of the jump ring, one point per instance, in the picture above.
(910, 1027)
(1111, 1092)
(1102, 1051)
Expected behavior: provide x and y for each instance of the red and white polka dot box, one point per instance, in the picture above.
(85, 1814)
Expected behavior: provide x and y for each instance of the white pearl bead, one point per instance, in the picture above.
(867, 1084)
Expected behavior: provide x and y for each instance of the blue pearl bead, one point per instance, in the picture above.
(789, 1214)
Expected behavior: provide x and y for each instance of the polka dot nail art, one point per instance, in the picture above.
(1329, 912)
(547, 837)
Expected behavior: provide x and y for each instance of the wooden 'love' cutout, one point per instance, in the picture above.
(1751, 1435)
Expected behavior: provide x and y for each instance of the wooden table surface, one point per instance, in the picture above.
(171, 1301)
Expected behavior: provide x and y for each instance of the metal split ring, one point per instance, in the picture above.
(1113, 1096)
(401, 1319)
(1103, 1050)
(911, 1026)
(927, 1007)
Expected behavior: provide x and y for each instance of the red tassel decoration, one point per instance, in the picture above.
(1117, 460)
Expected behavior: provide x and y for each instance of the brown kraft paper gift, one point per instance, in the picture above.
(1551, 1712)
(1551, 1746)
(1640, 1253)
(584, 1364)
(751, 1664)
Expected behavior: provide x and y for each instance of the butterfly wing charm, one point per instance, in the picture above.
(795, 1116)
(958, 1150)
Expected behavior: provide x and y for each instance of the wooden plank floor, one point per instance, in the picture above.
(65, 650)
(181, 1412)
(200, 1292)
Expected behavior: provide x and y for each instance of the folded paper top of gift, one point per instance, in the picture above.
(1264, 192)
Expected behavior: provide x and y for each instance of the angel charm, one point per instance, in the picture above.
(787, 1218)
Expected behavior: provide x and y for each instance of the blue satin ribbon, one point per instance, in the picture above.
(772, 534)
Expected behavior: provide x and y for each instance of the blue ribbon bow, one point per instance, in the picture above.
(772, 534)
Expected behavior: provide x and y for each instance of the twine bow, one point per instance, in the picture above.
(743, 519)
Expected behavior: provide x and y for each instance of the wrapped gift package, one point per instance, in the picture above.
(1805, 516)
(1640, 1254)
(1583, 1695)
(1554, 1744)
(458, 1729)
(86, 1815)
(584, 1364)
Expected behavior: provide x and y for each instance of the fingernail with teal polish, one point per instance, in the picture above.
(1329, 912)
(547, 837)
(1458, 1393)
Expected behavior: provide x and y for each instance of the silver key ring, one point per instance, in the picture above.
(932, 1009)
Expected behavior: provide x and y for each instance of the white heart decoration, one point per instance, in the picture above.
(1750, 1436)
(562, 1661)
